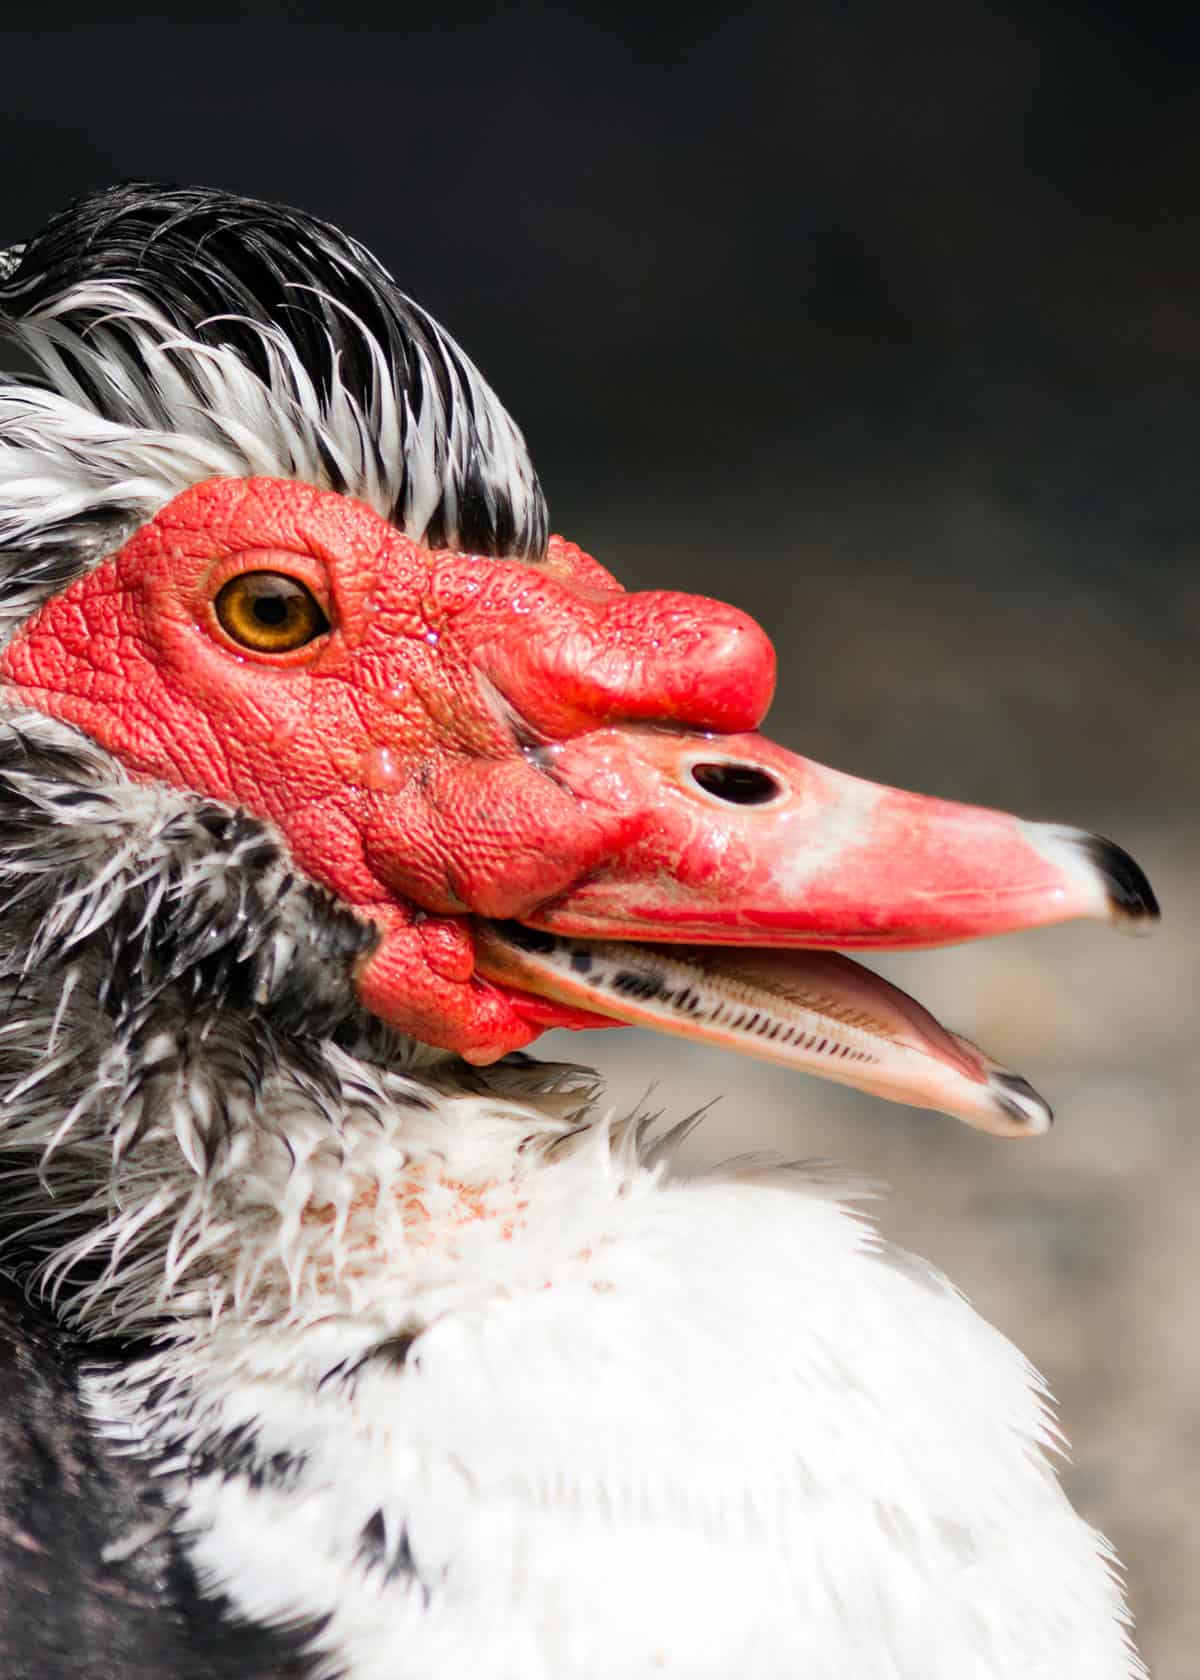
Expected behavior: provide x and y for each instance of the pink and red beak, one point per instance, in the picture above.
(715, 922)
(752, 845)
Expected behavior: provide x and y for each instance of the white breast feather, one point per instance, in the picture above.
(648, 1426)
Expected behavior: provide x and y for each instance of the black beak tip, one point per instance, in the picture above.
(1130, 895)
(1030, 1114)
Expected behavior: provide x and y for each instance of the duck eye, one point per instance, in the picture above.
(268, 612)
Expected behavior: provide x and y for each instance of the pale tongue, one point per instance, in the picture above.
(811, 1010)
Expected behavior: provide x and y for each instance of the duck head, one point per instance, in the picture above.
(547, 797)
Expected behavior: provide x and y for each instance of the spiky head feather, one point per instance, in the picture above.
(179, 334)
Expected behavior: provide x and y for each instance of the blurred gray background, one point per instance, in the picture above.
(881, 322)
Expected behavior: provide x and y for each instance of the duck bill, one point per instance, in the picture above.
(741, 842)
(709, 923)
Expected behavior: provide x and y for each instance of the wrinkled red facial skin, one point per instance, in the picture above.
(398, 753)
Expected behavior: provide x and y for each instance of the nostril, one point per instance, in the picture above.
(736, 784)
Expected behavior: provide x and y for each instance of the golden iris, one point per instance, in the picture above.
(268, 612)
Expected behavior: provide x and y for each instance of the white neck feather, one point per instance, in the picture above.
(487, 1390)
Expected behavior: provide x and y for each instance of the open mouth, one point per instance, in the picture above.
(814, 1011)
(708, 887)
(725, 922)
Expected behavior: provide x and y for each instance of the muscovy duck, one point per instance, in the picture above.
(341, 1337)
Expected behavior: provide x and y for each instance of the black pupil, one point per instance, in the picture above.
(736, 784)
(271, 610)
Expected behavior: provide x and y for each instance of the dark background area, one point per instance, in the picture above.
(881, 322)
(901, 298)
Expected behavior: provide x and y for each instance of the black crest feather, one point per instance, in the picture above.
(144, 303)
